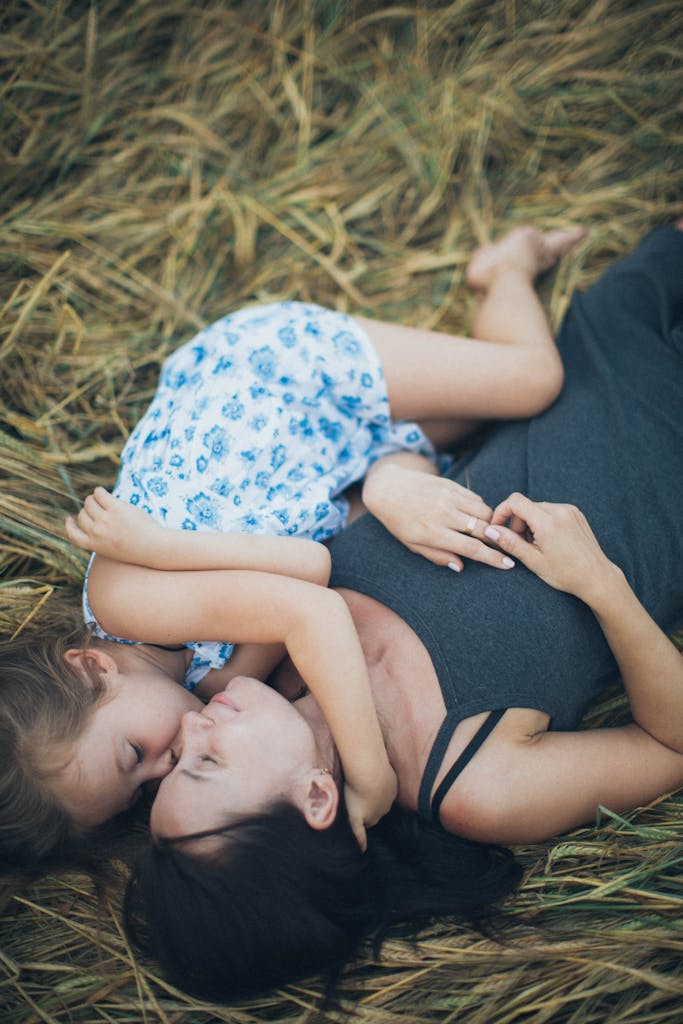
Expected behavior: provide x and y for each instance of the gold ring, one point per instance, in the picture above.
(470, 525)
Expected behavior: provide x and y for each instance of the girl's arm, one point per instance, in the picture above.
(123, 533)
(314, 624)
(429, 514)
(256, 660)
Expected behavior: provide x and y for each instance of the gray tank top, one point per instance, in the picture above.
(611, 444)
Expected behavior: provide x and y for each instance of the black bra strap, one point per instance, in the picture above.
(482, 733)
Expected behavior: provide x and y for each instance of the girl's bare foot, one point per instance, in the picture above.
(523, 249)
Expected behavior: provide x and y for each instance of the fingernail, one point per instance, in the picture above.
(508, 563)
(454, 566)
(492, 533)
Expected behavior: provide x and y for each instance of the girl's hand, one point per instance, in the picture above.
(116, 530)
(554, 541)
(434, 517)
(366, 806)
(124, 533)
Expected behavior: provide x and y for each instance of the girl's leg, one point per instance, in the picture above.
(503, 275)
(511, 369)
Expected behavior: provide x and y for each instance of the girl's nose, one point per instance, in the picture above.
(160, 767)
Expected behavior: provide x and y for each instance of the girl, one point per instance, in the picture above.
(309, 391)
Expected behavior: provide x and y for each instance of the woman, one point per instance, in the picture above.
(480, 680)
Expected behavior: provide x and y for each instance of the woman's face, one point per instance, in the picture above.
(245, 749)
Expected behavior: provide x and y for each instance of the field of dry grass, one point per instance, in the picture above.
(161, 163)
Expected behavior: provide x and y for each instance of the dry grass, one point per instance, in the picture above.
(162, 163)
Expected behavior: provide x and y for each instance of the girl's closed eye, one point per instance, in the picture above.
(139, 753)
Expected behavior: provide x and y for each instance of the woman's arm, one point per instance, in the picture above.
(123, 533)
(556, 542)
(527, 783)
(525, 787)
(314, 624)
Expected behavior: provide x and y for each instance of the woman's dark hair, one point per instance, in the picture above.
(281, 901)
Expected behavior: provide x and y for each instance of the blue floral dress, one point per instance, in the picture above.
(258, 425)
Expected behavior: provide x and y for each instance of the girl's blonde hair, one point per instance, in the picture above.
(44, 708)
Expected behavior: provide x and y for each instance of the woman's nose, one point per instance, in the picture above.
(192, 718)
(191, 723)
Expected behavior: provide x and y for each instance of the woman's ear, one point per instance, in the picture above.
(321, 800)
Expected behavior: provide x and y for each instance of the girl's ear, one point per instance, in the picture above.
(86, 659)
(321, 800)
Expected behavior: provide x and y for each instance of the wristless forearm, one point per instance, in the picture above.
(329, 657)
(186, 549)
(651, 668)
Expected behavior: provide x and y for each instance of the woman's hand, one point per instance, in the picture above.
(434, 517)
(554, 541)
(366, 806)
(117, 530)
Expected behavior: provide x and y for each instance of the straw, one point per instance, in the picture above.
(161, 164)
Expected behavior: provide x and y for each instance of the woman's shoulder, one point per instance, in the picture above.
(477, 803)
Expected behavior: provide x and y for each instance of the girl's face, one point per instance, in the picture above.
(247, 747)
(126, 744)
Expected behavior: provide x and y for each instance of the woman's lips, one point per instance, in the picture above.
(223, 698)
